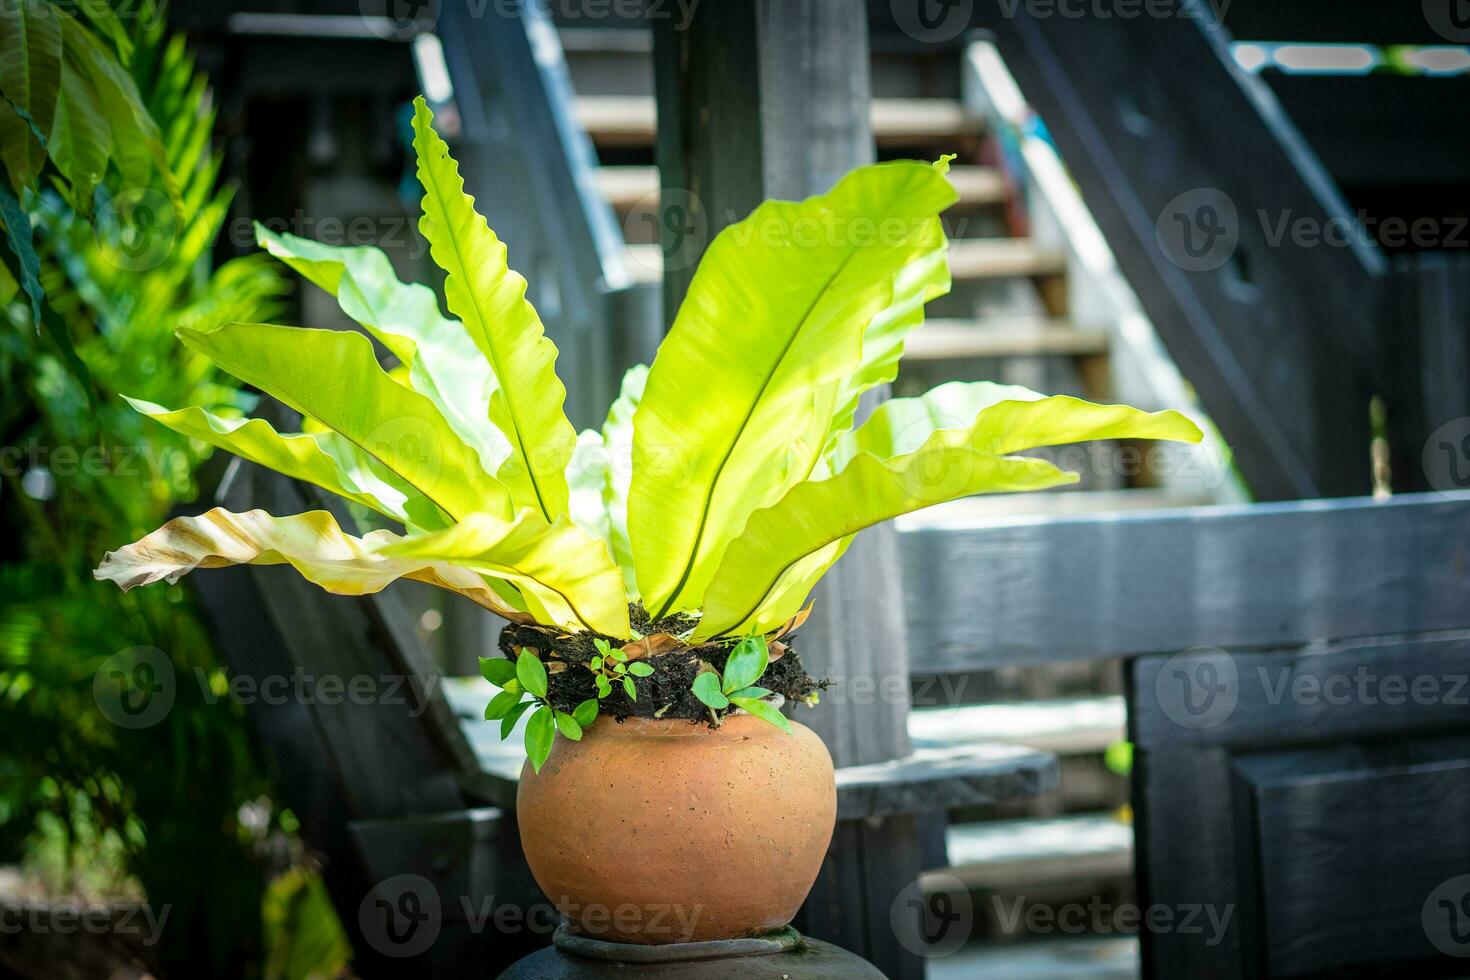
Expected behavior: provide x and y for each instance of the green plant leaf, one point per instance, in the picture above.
(135, 142)
(568, 726)
(490, 299)
(30, 80)
(751, 692)
(357, 398)
(604, 686)
(617, 444)
(501, 704)
(746, 664)
(586, 477)
(540, 731)
(325, 459)
(110, 26)
(640, 669)
(20, 236)
(508, 723)
(81, 139)
(586, 712)
(630, 689)
(910, 454)
(923, 279)
(312, 543)
(444, 365)
(497, 670)
(531, 672)
(565, 576)
(707, 689)
(1001, 419)
(731, 418)
(813, 515)
(764, 711)
(514, 684)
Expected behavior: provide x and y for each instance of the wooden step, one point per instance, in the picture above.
(1065, 726)
(944, 340)
(628, 187)
(1005, 855)
(970, 260)
(628, 120)
(976, 259)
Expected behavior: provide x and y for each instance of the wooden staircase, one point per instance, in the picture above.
(1007, 318)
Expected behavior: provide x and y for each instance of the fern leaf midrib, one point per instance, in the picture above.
(740, 432)
(484, 331)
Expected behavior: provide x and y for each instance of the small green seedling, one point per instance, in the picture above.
(611, 667)
(527, 675)
(745, 666)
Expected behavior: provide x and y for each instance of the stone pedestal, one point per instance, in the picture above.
(785, 955)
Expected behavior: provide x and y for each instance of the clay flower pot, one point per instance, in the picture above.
(657, 831)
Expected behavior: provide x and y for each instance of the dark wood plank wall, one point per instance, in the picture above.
(1311, 803)
(1278, 337)
(1117, 585)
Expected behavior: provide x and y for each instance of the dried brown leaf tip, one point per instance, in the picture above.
(655, 645)
(794, 623)
(776, 650)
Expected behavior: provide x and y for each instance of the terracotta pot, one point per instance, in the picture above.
(652, 831)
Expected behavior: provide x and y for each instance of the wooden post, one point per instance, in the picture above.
(771, 99)
(1427, 372)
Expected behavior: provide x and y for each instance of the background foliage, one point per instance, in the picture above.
(110, 203)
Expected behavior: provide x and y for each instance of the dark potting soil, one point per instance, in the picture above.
(666, 692)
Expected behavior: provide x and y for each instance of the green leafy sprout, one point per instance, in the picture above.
(727, 478)
(746, 665)
(611, 667)
(523, 686)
